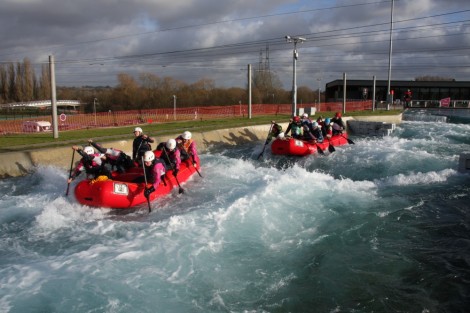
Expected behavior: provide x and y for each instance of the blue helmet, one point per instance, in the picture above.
(327, 121)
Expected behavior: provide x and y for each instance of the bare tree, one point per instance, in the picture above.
(12, 96)
(4, 84)
(28, 80)
(44, 84)
(127, 92)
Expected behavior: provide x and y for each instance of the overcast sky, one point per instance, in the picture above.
(94, 40)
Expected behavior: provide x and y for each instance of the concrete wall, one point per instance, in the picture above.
(370, 128)
(464, 163)
(393, 119)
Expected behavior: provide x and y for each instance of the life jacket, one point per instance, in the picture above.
(317, 133)
(92, 161)
(277, 129)
(150, 174)
(171, 158)
(296, 129)
(140, 146)
(93, 166)
(185, 144)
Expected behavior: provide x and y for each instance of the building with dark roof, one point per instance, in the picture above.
(421, 90)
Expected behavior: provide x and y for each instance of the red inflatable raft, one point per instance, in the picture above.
(291, 146)
(121, 193)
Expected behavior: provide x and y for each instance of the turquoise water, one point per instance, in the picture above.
(379, 226)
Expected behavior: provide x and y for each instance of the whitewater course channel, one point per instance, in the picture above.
(379, 226)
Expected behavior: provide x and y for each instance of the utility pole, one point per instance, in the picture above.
(55, 123)
(295, 40)
(94, 108)
(174, 107)
(389, 96)
(319, 89)
(249, 91)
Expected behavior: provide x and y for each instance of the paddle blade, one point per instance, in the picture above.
(349, 140)
(261, 154)
(148, 202)
(320, 150)
(331, 148)
(181, 190)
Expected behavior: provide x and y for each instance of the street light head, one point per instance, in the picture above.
(295, 39)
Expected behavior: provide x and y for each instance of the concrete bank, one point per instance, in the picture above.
(19, 163)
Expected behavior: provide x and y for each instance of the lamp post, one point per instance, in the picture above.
(295, 40)
(390, 96)
(174, 107)
(94, 108)
(319, 89)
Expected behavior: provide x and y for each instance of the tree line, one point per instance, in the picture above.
(20, 83)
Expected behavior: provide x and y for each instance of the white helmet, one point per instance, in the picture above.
(89, 150)
(138, 129)
(171, 144)
(314, 125)
(305, 115)
(281, 135)
(149, 156)
(186, 135)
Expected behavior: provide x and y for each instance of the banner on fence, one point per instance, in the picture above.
(445, 102)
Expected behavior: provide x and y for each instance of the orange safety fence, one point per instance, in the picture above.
(136, 117)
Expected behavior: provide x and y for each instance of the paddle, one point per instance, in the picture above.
(349, 140)
(266, 142)
(70, 173)
(181, 190)
(192, 157)
(145, 178)
(330, 146)
(319, 149)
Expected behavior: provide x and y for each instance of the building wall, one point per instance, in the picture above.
(421, 90)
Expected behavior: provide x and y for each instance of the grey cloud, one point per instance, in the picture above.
(90, 37)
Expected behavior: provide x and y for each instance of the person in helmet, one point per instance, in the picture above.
(187, 147)
(91, 163)
(320, 121)
(337, 124)
(327, 128)
(115, 158)
(154, 172)
(171, 155)
(305, 120)
(317, 132)
(140, 145)
(295, 125)
(276, 132)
